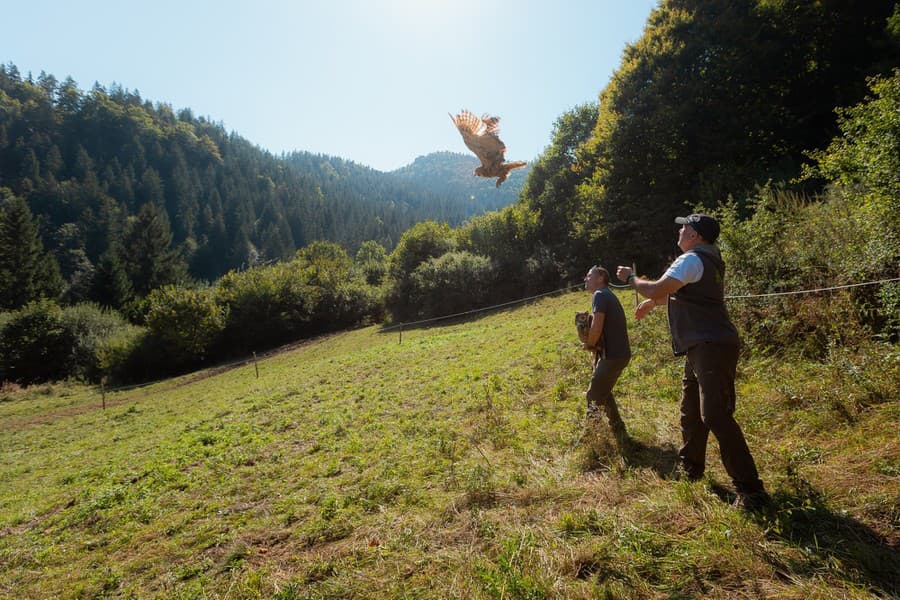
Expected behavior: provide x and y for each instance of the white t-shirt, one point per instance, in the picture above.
(687, 268)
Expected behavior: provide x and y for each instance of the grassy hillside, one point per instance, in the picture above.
(454, 464)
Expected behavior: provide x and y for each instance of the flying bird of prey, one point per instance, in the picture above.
(481, 136)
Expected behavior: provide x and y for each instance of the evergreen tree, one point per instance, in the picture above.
(27, 272)
(111, 286)
(149, 259)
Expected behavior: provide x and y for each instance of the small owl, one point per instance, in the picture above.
(583, 325)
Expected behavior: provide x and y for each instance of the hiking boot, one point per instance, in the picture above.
(752, 501)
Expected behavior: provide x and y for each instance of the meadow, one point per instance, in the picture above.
(454, 464)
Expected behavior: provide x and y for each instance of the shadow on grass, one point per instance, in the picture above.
(662, 459)
(826, 539)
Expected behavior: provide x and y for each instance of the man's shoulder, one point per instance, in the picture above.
(687, 268)
(604, 298)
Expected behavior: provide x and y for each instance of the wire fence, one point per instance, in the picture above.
(825, 289)
(624, 287)
(401, 326)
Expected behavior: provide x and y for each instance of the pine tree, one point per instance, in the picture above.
(111, 286)
(27, 272)
(149, 259)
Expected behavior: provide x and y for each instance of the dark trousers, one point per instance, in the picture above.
(599, 394)
(707, 404)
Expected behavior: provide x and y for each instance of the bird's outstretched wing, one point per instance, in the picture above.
(481, 137)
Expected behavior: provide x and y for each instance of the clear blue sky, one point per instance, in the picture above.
(367, 80)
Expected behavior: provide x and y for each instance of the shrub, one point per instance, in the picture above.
(89, 327)
(421, 242)
(186, 321)
(321, 289)
(133, 355)
(267, 306)
(35, 345)
(371, 258)
(509, 237)
(792, 244)
(451, 283)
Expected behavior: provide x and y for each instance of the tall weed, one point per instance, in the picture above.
(794, 244)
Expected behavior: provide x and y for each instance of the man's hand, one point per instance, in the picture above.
(584, 346)
(643, 309)
(623, 272)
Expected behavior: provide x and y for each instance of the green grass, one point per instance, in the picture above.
(453, 465)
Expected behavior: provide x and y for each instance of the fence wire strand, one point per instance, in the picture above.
(512, 303)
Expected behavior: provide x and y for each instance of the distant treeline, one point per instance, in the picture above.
(781, 117)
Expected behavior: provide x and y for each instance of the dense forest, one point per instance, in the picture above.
(783, 118)
(715, 99)
(96, 168)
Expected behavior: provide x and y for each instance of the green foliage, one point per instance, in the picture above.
(523, 264)
(35, 346)
(451, 283)
(419, 243)
(320, 290)
(186, 321)
(342, 295)
(851, 235)
(27, 272)
(266, 305)
(149, 260)
(867, 153)
(864, 165)
(715, 98)
(129, 355)
(372, 259)
(792, 244)
(90, 328)
(43, 342)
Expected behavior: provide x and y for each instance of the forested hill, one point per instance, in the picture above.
(450, 174)
(114, 179)
(440, 186)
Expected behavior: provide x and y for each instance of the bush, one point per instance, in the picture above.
(133, 355)
(793, 244)
(89, 327)
(267, 306)
(43, 342)
(451, 283)
(187, 322)
(509, 237)
(418, 244)
(35, 345)
(321, 289)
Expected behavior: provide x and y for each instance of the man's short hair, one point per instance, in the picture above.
(602, 272)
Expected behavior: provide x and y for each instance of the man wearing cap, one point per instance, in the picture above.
(693, 288)
(608, 339)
